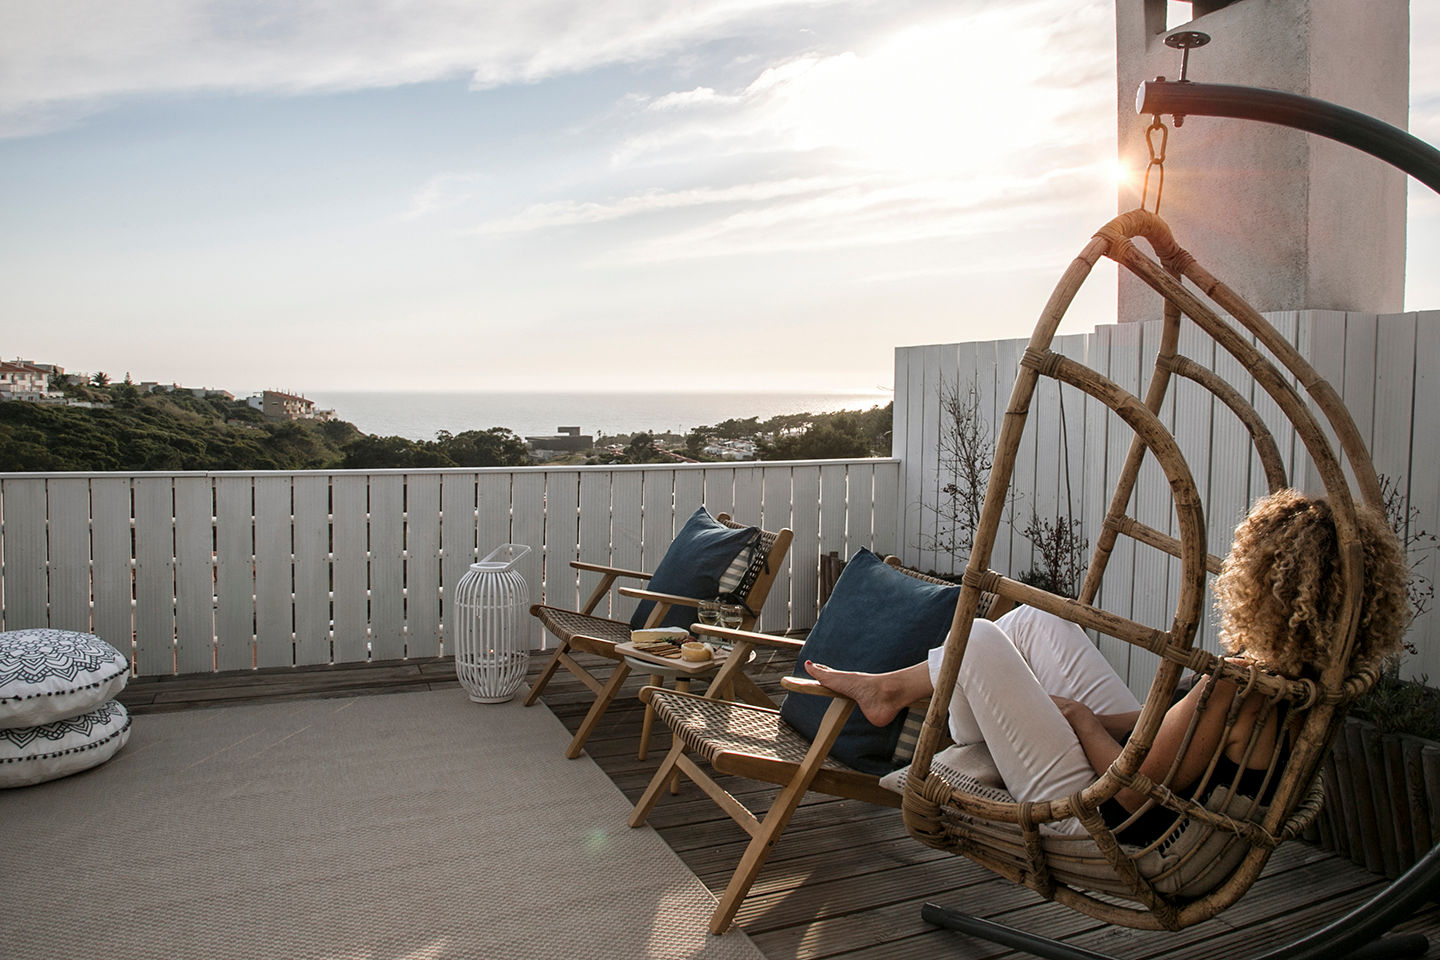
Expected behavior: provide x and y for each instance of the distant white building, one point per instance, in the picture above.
(732, 450)
(23, 380)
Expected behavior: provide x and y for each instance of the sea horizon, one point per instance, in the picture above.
(419, 415)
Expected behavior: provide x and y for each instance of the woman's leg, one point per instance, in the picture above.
(1065, 662)
(880, 696)
(999, 700)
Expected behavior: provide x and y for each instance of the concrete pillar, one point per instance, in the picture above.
(1290, 220)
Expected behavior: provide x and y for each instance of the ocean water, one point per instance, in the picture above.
(419, 416)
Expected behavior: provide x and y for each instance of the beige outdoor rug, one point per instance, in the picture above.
(410, 826)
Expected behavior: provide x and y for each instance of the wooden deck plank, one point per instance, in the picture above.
(845, 880)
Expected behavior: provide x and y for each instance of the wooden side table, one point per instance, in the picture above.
(660, 669)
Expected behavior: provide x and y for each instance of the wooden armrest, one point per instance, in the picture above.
(640, 593)
(747, 636)
(809, 685)
(614, 571)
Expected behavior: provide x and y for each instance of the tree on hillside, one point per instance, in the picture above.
(641, 449)
(100, 379)
(495, 447)
(840, 436)
(734, 429)
(387, 453)
(695, 442)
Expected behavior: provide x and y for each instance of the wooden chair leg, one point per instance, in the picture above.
(783, 807)
(682, 684)
(597, 710)
(645, 727)
(662, 776)
(555, 660)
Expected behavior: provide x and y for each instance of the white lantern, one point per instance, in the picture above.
(491, 603)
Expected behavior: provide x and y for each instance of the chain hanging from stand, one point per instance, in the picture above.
(1184, 41)
(1157, 163)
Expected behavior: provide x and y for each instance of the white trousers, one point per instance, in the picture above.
(1002, 698)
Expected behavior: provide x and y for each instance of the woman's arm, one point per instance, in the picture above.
(1097, 734)
(1102, 746)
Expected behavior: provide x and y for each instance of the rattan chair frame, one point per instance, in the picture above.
(1005, 836)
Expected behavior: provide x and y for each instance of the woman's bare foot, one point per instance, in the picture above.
(880, 696)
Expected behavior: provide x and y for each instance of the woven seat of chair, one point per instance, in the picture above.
(712, 727)
(567, 623)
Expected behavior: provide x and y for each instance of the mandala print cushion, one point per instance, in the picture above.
(48, 675)
(30, 755)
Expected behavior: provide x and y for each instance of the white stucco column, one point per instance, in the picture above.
(1290, 220)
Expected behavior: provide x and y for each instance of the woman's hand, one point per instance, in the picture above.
(1101, 748)
(1073, 710)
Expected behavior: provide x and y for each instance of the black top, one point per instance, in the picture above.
(1157, 821)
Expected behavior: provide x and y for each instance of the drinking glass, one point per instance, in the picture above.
(708, 612)
(731, 615)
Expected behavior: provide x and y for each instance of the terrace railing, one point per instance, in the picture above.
(196, 572)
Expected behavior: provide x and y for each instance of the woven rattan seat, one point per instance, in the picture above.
(569, 623)
(712, 728)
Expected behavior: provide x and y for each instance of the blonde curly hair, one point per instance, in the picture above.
(1279, 591)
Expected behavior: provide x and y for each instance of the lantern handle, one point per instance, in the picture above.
(513, 552)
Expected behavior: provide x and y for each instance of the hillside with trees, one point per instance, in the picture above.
(176, 430)
(116, 426)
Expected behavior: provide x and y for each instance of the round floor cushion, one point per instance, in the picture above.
(48, 675)
(36, 754)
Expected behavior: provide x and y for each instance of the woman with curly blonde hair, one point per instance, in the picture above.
(1054, 713)
(1279, 593)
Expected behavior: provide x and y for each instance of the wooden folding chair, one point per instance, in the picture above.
(750, 741)
(581, 630)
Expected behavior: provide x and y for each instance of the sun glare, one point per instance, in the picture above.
(948, 99)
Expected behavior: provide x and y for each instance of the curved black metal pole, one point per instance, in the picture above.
(1359, 935)
(1350, 127)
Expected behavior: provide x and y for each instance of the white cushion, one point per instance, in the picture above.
(36, 754)
(967, 763)
(48, 675)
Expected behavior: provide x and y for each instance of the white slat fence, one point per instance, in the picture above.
(1385, 367)
(197, 572)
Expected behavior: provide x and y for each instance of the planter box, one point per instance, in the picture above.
(1382, 798)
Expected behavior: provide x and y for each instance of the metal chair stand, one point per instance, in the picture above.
(1359, 935)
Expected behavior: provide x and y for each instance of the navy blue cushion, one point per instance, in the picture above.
(692, 567)
(876, 619)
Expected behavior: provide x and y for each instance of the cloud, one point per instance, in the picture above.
(567, 213)
(443, 191)
(62, 58)
(904, 141)
(872, 213)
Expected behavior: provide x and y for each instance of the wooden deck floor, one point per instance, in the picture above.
(845, 880)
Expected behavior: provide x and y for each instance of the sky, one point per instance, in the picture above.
(316, 195)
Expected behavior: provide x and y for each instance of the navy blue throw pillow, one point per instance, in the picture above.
(693, 566)
(877, 619)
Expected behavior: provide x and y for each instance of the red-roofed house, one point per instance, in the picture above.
(22, 380)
